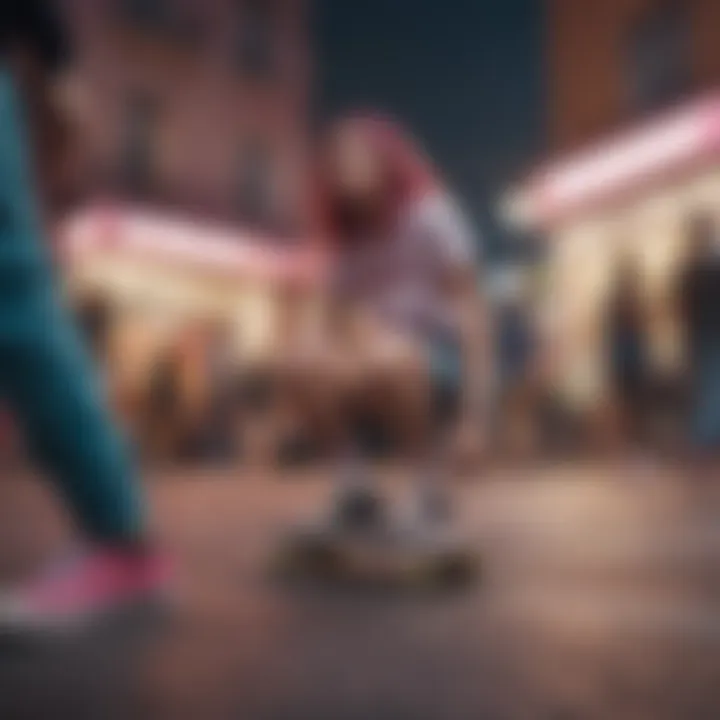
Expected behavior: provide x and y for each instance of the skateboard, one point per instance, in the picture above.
(380, 556)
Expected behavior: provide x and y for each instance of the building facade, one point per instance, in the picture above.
(611, 63)
(196, 125)
(634, 103)
(198, 104)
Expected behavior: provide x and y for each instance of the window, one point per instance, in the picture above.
(255, 46)
(139, 143)
(177, 22)
(153, 14)
(255, 184)
(659, 71)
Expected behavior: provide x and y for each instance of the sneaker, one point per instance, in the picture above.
(434, 509)
(84, 588)
(359, 509)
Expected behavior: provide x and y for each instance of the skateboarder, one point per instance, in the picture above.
(409, 346)
(46, 380)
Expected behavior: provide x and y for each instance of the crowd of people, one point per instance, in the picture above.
(202, 402)
(647, 405)
(643, 395)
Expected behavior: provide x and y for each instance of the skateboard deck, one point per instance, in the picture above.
(379, 556)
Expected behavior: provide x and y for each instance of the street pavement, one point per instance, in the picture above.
(600, 598)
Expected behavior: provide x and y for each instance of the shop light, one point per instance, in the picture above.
(606, 169)
(145, 235)
(687, 135)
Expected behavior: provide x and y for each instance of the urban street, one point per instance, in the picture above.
(599, 598)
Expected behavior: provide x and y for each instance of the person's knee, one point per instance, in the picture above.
(317, 383)
(405, 380)
(303, 373)
(397, 393)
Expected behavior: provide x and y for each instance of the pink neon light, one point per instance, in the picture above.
(157, 238)
(687, 135)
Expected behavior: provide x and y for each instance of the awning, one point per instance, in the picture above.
(157, 238)
(684, 140)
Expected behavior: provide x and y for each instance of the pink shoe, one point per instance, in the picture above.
(87, 587)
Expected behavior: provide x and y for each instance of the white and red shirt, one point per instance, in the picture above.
(400, 278)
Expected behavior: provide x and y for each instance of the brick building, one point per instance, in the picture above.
(611, 63)
(197, 129)
(201, 104)
(634, 117)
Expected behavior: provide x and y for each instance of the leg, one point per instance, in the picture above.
(419, 388)
(314, 388)
(44, 375)
(326, 387)
(48, 383)
(51, 391)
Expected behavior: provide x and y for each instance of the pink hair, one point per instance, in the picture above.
(410, 174)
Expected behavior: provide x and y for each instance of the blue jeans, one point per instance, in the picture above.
(46, 378)
(446, 378)
(706, 397)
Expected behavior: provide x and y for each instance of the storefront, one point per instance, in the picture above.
(628, 199)
(167, 280)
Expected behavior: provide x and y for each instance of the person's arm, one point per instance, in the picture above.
(476, 338)
(455, 251)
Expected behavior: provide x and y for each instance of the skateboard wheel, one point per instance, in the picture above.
(309, 556)
(453, 570)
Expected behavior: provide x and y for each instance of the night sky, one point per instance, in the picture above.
(465, 75)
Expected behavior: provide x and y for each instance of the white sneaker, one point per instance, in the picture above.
(359, 508)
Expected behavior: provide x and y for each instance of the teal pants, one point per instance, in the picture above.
(46, 379)
(706, 401)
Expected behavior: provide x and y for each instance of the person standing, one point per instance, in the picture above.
(46, 378)
(516, 350)
(627, 333)
(219, 417)
(699, 301)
